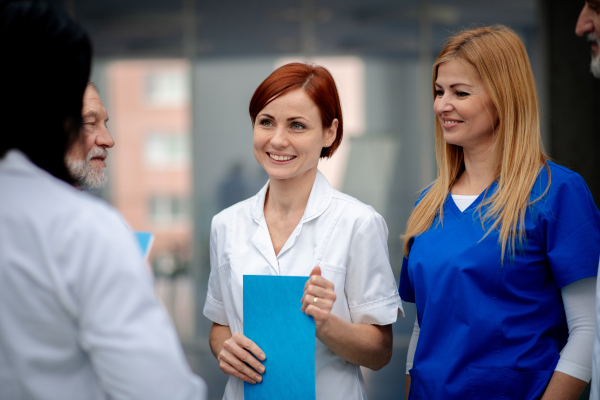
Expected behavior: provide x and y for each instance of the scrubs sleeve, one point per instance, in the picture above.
(370, 284)
(214, 308)
(570, 224)
(407, 293)
(406, 290)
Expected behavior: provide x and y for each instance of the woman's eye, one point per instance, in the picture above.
(439, 93)
(462, 94)
(297, 125)
(266, 122)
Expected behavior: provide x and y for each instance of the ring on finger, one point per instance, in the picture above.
(315, 299)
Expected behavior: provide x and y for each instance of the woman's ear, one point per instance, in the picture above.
(331, 133)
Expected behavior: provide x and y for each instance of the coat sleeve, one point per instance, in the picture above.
(370, 284)
(131, 342)
(570, 224)
(214, 308)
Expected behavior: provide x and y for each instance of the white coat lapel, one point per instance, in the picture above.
(262, 239)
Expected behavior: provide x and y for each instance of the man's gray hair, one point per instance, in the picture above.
(92, 84)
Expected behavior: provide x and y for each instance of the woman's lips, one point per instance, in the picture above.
(450, 123)
(280, 158)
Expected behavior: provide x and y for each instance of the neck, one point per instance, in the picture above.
(290, 196)
(480, 171)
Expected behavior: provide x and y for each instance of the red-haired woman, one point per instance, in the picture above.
(295, 222)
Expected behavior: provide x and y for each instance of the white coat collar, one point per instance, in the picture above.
(16, 161)
(318, 201)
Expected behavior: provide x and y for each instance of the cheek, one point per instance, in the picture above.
(258, 143)
(90, 141)
(436, 106)
(312, 147)
(80, 149)
(258, 139)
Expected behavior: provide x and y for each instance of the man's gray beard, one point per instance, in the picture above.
(87, 177)
(595, 63)
(595, 66)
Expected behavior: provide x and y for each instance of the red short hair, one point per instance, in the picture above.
(318, 84)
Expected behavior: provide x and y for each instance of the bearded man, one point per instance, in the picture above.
(588, 25)
(86, 158)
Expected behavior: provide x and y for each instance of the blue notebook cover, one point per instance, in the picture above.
(273, 320)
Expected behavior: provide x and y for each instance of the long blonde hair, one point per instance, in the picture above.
(500, 58)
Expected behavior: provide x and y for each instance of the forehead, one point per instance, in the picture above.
(92, 102)
(296, 101)
(457, 71)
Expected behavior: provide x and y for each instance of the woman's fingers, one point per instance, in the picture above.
(249, 345)
(236, 358)
(318, 280)
(237, 369)
(320, 315)
(240, 346)
(322, 304)
(320, 292)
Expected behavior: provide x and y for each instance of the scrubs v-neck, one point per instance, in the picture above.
(493, 331)
(345, 237)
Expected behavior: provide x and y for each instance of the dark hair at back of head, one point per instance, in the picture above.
(44, 70)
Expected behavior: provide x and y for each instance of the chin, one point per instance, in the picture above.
(280, 175)
(452, 140)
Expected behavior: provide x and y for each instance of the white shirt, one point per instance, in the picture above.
(595, 384)
(463, 201)
(345, 237)
(78, 316)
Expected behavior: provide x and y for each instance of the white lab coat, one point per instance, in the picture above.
(78, 316)
(345, 237)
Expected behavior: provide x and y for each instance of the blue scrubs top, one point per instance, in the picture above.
(492, 331)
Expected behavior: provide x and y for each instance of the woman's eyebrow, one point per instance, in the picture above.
(265, 115)
(293, 118)
(461, 84)
(454, 84)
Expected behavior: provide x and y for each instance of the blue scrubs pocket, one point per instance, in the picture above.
(499, 383)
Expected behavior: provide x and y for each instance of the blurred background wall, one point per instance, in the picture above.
(177, 77)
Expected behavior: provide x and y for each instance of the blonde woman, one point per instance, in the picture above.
(501, 251)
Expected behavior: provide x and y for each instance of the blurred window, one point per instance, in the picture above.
(167, 88)
(168, 210)
(167, 150)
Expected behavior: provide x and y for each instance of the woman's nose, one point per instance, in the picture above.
(442, 105)
(279, 139)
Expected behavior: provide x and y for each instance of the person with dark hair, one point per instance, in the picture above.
(86, 157)
(78, 315)
(296, 221)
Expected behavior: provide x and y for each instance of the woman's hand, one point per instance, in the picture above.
(238, 357)
(318, 298)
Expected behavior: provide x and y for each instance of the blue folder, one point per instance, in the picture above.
(273, 320)
(145, 241)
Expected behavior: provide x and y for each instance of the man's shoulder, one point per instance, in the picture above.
(46, 201)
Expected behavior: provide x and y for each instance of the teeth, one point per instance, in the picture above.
(280, 158)
(450, 122)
